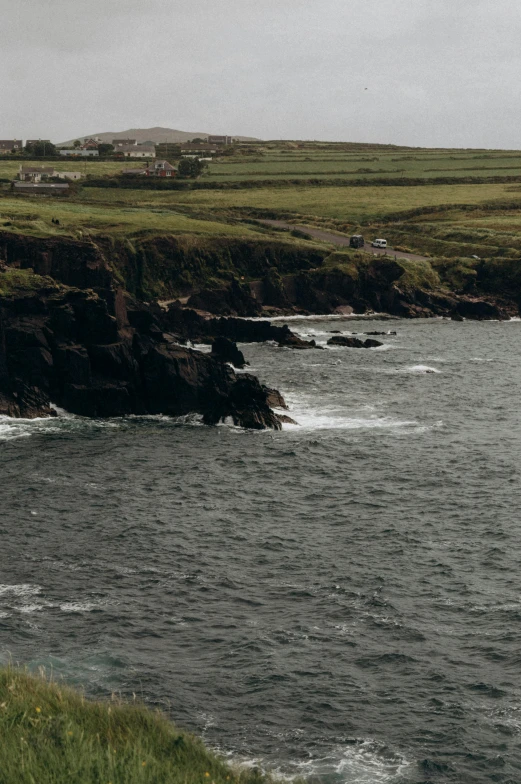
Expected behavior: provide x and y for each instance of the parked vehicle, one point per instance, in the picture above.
(356, 241)
(379, 243)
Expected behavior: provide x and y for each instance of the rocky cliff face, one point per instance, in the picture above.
(383, 286)
(79, 350)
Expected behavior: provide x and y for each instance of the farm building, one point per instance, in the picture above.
(7, 145)
(41, 188)
(198, 148)
(136, 151)
(220, 140)
(39, 173)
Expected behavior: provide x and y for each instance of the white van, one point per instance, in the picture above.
(379, 243)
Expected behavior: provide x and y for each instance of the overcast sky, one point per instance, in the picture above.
(418, 72)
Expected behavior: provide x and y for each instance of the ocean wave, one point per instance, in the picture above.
(310, 418)
(11, 429)
(323, 421)
(364, 761)
(20, 589)
(326, 317)
(73, 607)
(422, 369)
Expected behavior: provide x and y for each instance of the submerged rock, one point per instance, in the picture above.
(349, 342)
(290, 340)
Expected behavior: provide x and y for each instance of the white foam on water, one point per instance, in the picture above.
(78, 606)
(8, 431)
(20, 589)
(11, 428)
(30, 608)
(369, 763)
(363, 762)
(62, 413)
(334, 420)
(422, 369)
(326, 317)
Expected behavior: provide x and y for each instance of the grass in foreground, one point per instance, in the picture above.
(50, 734)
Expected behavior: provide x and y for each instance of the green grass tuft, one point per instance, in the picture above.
(50, 734)
(21, 281)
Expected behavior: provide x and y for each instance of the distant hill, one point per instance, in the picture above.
(156, 135)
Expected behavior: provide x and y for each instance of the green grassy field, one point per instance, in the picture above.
(349, 162)
(33, 216)
(50, 734)
(451, 218)
(351, 166)
(344, 203)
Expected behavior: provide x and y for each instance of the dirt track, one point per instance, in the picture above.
(339, 239)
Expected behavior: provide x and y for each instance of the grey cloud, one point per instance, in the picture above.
(443, 73)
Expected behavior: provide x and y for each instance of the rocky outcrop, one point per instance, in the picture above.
(226, 351)
(236, 299)
(274, 398)
(349, 342)
(188, 324)
(80, 263)
(245, 405)
(385, 285)
(81, 351)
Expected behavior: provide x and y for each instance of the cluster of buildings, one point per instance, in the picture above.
(126, 148)
(43, 173)
(42, 179)
(17, 145)
(48, 179)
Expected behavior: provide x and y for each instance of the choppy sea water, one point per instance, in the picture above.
(340, 600)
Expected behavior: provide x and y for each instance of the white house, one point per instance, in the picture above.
(68, 175)
(136, 151)
(39, 173)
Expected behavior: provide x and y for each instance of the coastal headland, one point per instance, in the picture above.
(104, 293)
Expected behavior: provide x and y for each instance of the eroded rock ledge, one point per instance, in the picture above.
(78, 349)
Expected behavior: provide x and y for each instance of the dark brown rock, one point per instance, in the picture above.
(70, 350)
(290, 340)
(274, 398)
(226, 351)
(286, 420)
(350, 342)
(236, 300)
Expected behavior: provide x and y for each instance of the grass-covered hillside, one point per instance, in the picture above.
(50, 734)
(440, 204)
